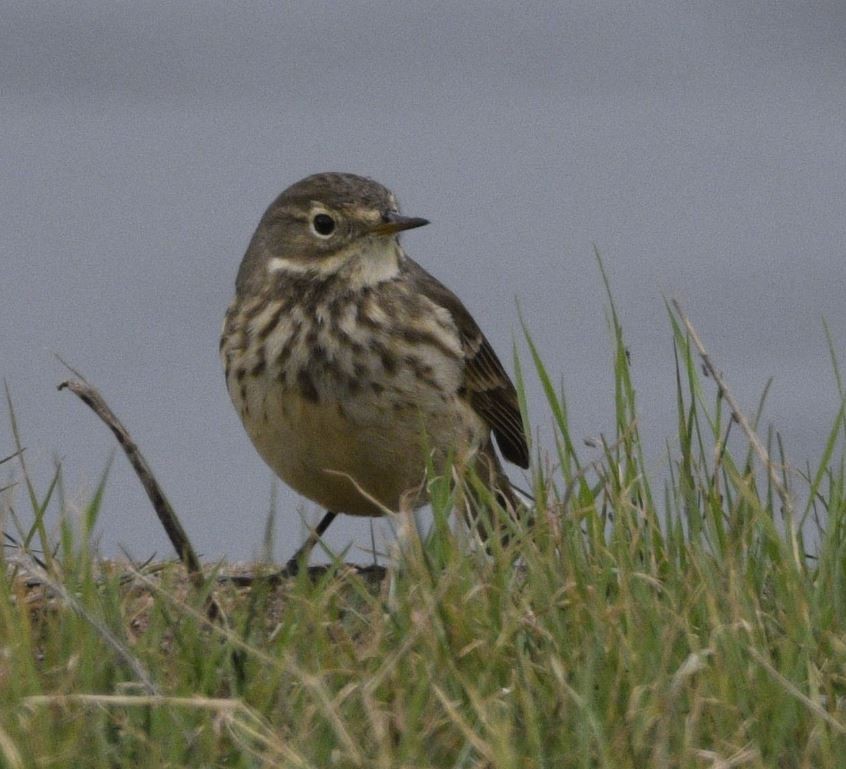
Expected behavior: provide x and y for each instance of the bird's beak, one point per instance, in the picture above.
(392, 222)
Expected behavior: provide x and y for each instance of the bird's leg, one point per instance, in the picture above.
(293, 565)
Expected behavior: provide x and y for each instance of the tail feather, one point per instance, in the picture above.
(491, 523)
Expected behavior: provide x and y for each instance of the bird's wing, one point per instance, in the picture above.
(488, 387)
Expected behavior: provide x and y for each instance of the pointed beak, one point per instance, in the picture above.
(392, 222)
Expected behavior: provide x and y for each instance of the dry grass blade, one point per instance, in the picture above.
(27, 564)
(817, 709)
(736, 411)
(737, 414)
(457, 717)
(241, 720)
(9, 751)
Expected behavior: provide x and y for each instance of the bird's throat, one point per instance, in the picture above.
(366, 262)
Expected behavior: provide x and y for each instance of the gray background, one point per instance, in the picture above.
(700, 146)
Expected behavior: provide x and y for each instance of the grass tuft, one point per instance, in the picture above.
(688, 621)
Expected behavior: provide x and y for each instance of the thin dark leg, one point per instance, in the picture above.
(293, 565)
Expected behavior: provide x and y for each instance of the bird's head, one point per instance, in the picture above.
(327, 222)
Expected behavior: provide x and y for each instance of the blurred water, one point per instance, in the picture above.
(702, 151)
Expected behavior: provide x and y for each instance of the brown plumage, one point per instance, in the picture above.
(347, 361)
(490, 391)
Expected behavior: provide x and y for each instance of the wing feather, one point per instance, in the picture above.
(488, 388)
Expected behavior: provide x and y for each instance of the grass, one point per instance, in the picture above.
(632, 625)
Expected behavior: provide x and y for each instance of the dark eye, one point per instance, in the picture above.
(323, 225)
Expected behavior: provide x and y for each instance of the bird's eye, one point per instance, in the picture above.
(323, 225)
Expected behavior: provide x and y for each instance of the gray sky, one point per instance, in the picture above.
(701, 147)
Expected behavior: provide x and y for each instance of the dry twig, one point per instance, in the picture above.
(92, 398)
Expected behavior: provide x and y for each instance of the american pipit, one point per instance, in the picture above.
(351, 367)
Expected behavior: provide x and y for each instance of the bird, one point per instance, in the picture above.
(352, 368)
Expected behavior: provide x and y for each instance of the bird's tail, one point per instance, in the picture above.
(488, 520)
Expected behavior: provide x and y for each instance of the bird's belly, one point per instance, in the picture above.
(362, 456)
